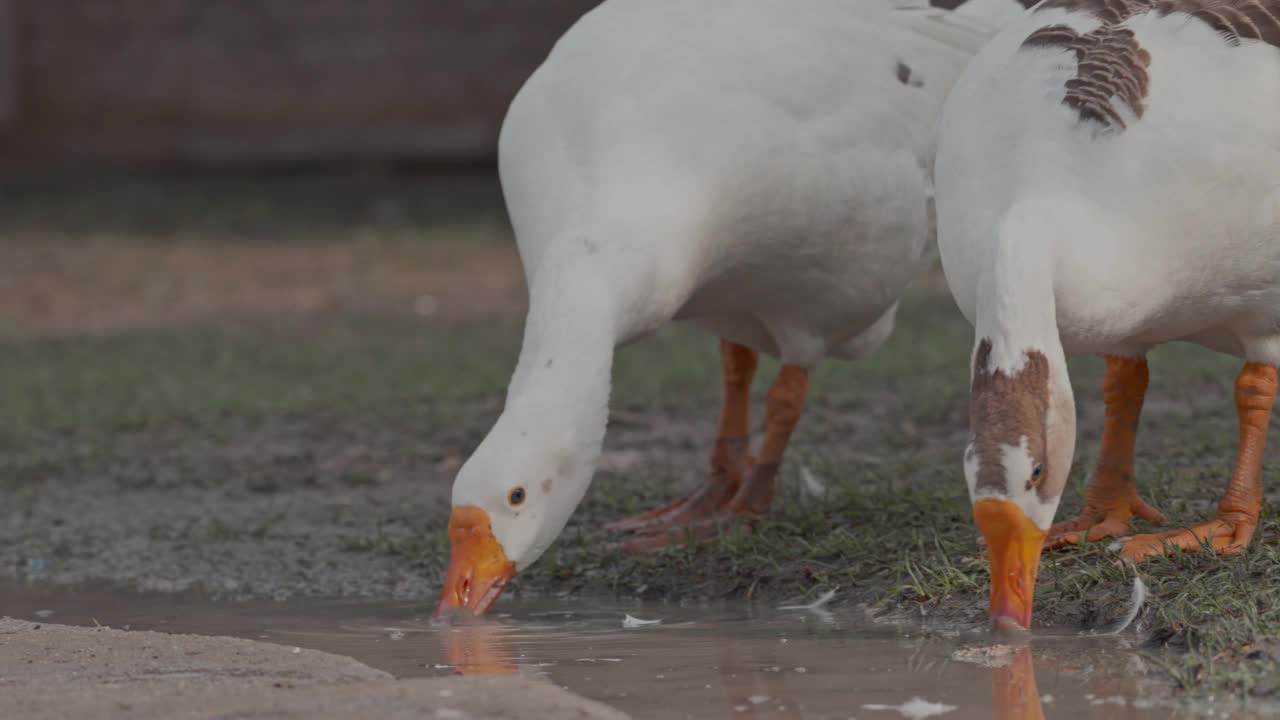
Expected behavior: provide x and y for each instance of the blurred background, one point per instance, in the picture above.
(259, 297)
(204, 162)
(256, 279)
(257, 83)
(253, 259)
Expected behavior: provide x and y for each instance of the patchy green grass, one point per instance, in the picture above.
(135, 377)
(156, 376)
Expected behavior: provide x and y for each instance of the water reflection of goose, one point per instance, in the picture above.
(480, 649)
(1014, 695)
(766, 665)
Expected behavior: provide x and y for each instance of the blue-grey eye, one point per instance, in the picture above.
(516, 498)
(1036, 472)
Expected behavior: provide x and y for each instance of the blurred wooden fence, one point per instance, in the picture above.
(165, 82)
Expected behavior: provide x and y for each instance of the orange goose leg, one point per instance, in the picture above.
(730, 458)
(1112, 498)
(755, 496)
(1230, 531)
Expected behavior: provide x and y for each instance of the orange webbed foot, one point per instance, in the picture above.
(749, 504)
(740, 487)
(1228, 534)
(730, 463)
(703, 502)
(1112, 499)
(1095, 525)
(1230, 531)
(694, 532)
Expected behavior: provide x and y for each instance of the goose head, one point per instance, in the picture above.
(517, 491)
(1022, 438)
(511, 500)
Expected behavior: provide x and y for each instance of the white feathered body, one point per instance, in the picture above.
(1164, 229)
(757, 168)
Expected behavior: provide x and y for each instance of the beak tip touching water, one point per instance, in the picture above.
(1014, 543)
(472, 599)
(1007, 624)
(478, 567)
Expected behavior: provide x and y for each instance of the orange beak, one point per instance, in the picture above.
(478, 568)
(1014, 544)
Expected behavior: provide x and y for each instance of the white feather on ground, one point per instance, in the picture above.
(915, 708)
(635, 622)
(818, 604)
(1137, 599)
(813, 485)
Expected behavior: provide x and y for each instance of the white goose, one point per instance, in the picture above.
(1108, 179)
(755, 167)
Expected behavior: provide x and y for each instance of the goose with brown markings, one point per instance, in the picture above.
(1108, 180)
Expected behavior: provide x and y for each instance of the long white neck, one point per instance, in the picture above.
(559, 392)
(1016, 305)
(549, 436)
(585, 295)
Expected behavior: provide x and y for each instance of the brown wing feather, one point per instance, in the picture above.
(1112, 68)
(1244, 19)
(1235, 19)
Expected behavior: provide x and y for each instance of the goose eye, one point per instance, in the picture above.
(1036, 473)
(516, 497)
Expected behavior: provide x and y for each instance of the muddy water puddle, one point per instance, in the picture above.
(726, 661)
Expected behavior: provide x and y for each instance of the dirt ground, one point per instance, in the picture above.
(204, 398)
(56, 672)
(55, 285)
